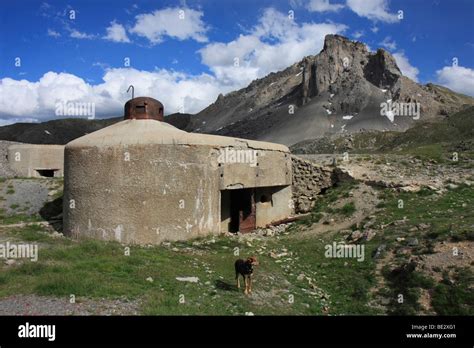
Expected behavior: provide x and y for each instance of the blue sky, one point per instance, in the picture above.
(187, 58)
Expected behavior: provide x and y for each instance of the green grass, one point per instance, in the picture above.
(455, 297)
(348, 209)
(97, 269)
(404, 284)
(439, 211)
(432, 152)
(17, 218)
(324, 204)
(450, 218)
(31, 233)
(347, 280)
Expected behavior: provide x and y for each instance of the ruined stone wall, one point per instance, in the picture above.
(309, 180)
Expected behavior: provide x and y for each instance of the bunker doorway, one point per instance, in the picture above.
(242, 210)
(47, 173)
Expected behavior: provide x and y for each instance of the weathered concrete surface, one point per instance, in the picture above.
(277, 206)
(273, 168)
(143, 132)
(144, 182)
(28, 159)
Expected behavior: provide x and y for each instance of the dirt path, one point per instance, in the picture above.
(365, 200)
(45, 305)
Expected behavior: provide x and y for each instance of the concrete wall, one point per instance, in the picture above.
(146, 194)
(272, 168)
(277, 207)
(225, 211)
(27, 159)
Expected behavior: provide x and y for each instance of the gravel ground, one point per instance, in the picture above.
(29, 195)
(28, 305)
(5, 171)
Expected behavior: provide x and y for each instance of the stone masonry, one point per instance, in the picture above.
(309, 180)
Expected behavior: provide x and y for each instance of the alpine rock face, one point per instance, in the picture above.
(344, 88)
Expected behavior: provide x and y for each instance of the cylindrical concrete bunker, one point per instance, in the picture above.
(143, 181)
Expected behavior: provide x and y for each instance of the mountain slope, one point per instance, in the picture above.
(64, 130)
(344, 79)
(455, 133)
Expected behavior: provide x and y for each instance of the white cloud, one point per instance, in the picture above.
(102, 65)
(323, 6)
(41, 95)
(296, 3)
(176, 90)
(53, 33)
(405, 67)
(116, 33)
(388, 43)
(457, 78)
(178, 23)
(373, 10)
(274, 44)
(79, 35)
(358, 34)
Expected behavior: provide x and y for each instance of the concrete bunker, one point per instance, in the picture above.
(144, 181)
(35, 161)
(243, 210)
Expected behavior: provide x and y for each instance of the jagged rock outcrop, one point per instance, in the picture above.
(339, 90)
(340, 57)
(381, 69)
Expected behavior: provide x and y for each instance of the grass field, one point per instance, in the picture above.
(294, 276)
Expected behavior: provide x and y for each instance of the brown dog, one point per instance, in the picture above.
(245, 269)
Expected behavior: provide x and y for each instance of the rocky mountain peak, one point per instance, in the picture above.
(333, 42)
(339, 90)
(347, 62)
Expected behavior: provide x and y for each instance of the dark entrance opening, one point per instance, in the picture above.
(242, 210)
(47, 173)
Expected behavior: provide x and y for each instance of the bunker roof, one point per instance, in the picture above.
(151, 131)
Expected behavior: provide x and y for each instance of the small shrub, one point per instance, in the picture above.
(348, 209)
